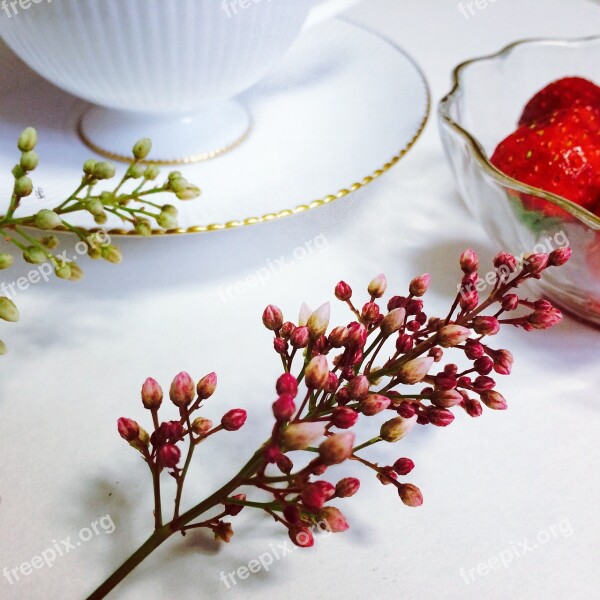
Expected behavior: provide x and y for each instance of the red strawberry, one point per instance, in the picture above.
(561, 156)
(559, 95)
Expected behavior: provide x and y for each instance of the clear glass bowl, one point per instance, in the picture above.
(483, 108)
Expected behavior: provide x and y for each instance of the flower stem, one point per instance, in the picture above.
(166, 531)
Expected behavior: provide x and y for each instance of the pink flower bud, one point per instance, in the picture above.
(286, 330)
(493, 400)
(272, 453)
(336, 448)
(287, 384)
(358, 387)
(284, 408)
(343, 291)
(446, 398)
(469, 263)
(357, 335)
(404, 343)
(301, 536)
(201, 426)
(403, 466)
(317, 373)
(182, 390)
(313, 497)
(559, 257)
(536, 263)
(129, 430)
(305, 312)
(374, 404)
(377, 286)
(510, 302)
(235, 509)
(484, 365)
(338, 337)
(152, 394)
(393, 321)
(272, 318)
(284, 464)
(440, 417)
(234, 419)
(169, 456)
(482, 383)
(543, 319)
(503, 361)
(206, 386)
(473, 408)
(453, 335)
(505, 261)
(336, 522)
(410, 494)
(445, 381)
(318, 321)
(300, 436)
(474, 349)
(414, 370)
(395, 429)
(370, 312)
(419, 285)
(406, 410)
(332, 383)
(486, 325)
(299, 339)
(347, 487)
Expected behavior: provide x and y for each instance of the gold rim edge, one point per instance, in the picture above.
(297, 209)
(574, 209)
(188, 160)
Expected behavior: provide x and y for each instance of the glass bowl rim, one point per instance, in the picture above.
(476, 147)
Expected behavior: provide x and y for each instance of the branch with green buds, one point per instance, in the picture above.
(134, 200)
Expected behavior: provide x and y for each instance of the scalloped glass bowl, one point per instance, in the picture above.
(483, 108)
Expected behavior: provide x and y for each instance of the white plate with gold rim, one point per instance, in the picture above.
(343, 107)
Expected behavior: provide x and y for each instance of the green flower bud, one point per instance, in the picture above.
(178, 184)
(143, 227)
(94, 253)
(64, 271)
(170, 210)
(174, 175)
(104, 170)
(76, 273)
(50, 241)
(47, 219)
(100, 219)
(89, 166)
(27, 139)
(2, 348)
(190, 193)
(94, 207)
(152, 172)
(142, 148)
(112, 254)
(29, 160)
(107, 197)
(166, 221)
(23, 186)
(136, 171)
(34, 255)
(8, 310)
(123, 199)
(18, 171)
(6, 260)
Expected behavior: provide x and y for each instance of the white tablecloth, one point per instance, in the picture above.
(516, 492)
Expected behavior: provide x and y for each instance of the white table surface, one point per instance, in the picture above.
(81, 352)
